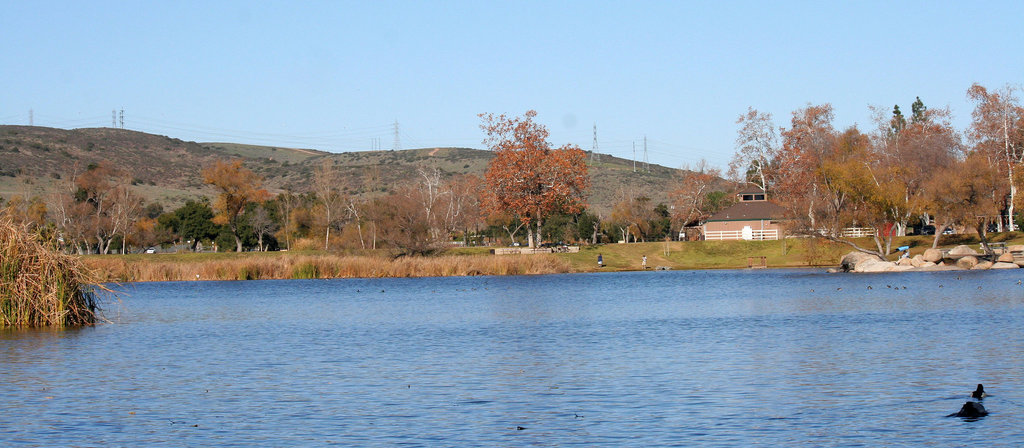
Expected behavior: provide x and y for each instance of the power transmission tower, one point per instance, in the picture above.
(594, 156)
(113, 118)
(31, 119)
(647, 165)
(398, 143)
(122, 118)
(634, 156)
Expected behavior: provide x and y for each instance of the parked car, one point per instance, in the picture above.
(151, 250)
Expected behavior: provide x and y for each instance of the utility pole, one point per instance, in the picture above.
(594, 156)
(398, 143)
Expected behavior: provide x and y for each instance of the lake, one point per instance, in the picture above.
(674, 358)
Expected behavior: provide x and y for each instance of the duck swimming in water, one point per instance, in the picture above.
(970, 409)
(979, 393)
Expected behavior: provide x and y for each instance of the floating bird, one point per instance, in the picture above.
(970, 409)
(839, 289)
(979, 393)
(869, 286)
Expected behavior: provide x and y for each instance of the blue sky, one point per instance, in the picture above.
(336, 75)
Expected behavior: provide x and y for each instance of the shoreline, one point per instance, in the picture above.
(463, 262)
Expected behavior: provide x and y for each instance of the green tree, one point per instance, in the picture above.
(193, 221)
(918, 111)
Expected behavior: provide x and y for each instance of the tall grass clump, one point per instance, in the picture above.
(40, 287)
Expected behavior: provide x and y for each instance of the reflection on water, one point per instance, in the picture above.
(637, 359)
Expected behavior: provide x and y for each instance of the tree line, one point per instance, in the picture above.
(907, 171)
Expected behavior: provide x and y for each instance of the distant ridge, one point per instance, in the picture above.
(34, 159)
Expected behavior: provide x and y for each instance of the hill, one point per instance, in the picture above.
(35, 160)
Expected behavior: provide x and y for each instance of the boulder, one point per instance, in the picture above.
(905, 262)
(1005, 258)
(938, 267)
(927, 264)
(852, 260)
(983, 265)
(967, 262)
(1016, 248)
(932, 255)
(1002, 265)
(876, 265)
(917, 261)
(961, 251)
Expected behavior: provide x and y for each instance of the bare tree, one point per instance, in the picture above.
(326, 183)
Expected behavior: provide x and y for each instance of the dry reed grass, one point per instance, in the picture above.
(40, 287)
(299, 266)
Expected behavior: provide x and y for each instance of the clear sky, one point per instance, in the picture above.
(336, 75)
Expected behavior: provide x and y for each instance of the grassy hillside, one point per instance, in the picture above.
(36, 161)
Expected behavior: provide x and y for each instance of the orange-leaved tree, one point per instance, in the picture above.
(238, 186)
(527, 177)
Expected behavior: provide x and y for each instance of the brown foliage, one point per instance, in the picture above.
(528, 178)
(289, 266)
(238, 186)
(40, 286)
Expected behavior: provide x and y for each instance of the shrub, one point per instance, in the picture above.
(39, 286)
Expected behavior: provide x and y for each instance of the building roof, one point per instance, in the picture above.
(748, 211)
(751, 189)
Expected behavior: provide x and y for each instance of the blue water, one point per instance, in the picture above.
(696, 358)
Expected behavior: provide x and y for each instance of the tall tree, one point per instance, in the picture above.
(905, 161)
(757, 146)
(968, 192)
(997, 130)
(807, 144)
(238, 187)
(327, 184)
(527, 177)
(918, 111)
(692, 196)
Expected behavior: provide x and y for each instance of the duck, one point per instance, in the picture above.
(970, 409)
(979, 393)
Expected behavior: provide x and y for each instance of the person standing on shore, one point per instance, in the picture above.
(600, 261)
(643, 262)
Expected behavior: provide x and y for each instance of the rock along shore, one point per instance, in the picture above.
(960, 258)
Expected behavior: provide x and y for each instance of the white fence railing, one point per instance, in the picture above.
(857, 232)
(751, 234)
